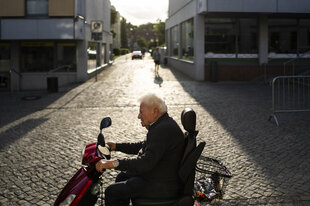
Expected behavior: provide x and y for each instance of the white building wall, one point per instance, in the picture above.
(296, 6)
(81, 61)
(16, 29)
(241, 6)
(181, 10)
(182, 13)
(176, 5)
(199, 46)
(261, 6)
(55, 29)
(100, 10)
(37, 81)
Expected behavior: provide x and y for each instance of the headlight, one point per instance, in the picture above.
(68, 200)
(104, 150)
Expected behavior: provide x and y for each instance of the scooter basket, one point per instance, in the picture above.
(211, 179)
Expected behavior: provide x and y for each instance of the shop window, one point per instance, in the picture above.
(103, 52)
(92, 55)
(37, 56)
(231, 37)
(282, 36)
(175, 41)
(304, 35)
(66, 57)
(220, 35)
(5, 57)
(111, 52)
(188, 40)
(37, 7)
(247, 36)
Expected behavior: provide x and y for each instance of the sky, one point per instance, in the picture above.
(139, 12)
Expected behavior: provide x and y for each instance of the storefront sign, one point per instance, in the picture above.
(37, 44)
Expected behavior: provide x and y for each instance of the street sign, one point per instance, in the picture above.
(96, 26)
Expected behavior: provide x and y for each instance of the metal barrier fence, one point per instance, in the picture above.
(290, 94)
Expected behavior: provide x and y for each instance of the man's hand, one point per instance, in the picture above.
(104, 164)
(112, 145)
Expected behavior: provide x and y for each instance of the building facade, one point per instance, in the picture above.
(63, 39)
(236, 39)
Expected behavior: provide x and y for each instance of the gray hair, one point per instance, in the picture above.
(152, 100)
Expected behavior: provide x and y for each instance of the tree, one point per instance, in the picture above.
(113, 20)
(159, 29)
(141, 42)
(124, 40)
(147, 35)
(113, 16)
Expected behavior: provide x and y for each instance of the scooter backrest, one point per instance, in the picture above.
(188, 119)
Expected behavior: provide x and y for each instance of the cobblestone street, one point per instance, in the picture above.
(41, 139)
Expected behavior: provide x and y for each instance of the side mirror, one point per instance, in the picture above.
(100, 140)
(105, 122)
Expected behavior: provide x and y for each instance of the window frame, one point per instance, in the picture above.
(44, 13)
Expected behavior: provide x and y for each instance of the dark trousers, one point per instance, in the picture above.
(127, 187)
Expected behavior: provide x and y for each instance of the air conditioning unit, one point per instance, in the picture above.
(96, 26)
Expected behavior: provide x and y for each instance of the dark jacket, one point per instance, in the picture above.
(159, 155)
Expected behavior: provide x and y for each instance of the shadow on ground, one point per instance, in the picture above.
(280, 154)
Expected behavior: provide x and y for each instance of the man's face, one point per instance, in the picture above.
(146, 115)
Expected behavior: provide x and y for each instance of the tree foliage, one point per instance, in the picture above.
(147, 35)
(159, 29)
(113, 16)
(124, 41)
(141, 42)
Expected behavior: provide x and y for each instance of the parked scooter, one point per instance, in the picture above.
(84, 187)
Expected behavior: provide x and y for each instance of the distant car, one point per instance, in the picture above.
(136, 55)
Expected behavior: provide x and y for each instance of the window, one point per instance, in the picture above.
(231, 37)
(37, 56)
(37, 7)
(103, 54)
(111, 52)
(304, 35)
(46, 56)
(66, 57)
(282, 36)
(92, 55)
(247, 36)
(188, 40)
(5, 57)
(174, 41)
(220, 35)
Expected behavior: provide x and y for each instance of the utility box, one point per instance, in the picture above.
(52, 84)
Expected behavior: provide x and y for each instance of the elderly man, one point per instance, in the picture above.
(154, 172)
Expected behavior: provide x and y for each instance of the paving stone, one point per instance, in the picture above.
(41, 140)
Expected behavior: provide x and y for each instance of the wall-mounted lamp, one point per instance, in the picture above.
(77, 17)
